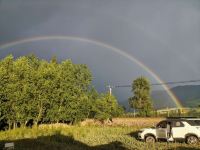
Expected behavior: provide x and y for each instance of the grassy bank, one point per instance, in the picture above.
(54, 137)
(127, 122)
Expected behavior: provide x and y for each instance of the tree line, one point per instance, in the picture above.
(41, 91)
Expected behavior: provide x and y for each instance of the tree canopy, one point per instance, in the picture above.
(141, 99)
(41, 91)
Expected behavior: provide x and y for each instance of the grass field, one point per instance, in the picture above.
(86, 137)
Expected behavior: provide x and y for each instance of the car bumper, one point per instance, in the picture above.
(139, 137)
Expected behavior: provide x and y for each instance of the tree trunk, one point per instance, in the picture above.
(36, 123)
(9, 125)
(14, 125)
(59, 109)
(25, 123)
(39, 115)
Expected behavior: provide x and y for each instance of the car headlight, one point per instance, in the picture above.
(139, 133)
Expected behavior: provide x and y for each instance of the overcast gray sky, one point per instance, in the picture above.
(164, 35)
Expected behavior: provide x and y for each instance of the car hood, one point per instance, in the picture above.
(151, 128)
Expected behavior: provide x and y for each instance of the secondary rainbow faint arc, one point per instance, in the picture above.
(101, 44)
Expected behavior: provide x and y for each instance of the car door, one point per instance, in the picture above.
(161, 130)
(178, 130)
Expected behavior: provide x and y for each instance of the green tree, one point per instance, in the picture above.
(70, 101)
(42, 91)
(106, 107)
(77, 98)
(141, 100)
(6, 105)
(20, 89)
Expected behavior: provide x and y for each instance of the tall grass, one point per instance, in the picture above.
(63, 137)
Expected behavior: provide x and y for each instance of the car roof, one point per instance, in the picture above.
(181, 118)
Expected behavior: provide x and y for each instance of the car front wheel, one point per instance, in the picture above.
(150, 139)
(191, 140)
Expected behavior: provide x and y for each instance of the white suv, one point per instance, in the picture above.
(181, 129)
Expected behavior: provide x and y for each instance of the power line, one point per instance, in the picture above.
(164, 83)
(118, 86)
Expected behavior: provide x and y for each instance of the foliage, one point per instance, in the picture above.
(106, 107)
(141, 100)
(47, 92)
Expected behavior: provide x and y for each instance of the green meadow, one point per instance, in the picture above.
(64, 137)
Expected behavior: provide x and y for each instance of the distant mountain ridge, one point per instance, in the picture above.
(188, 95)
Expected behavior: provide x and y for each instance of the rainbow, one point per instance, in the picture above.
(98, 43)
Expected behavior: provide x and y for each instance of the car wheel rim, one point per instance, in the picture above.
(150, 139)
(192, 140)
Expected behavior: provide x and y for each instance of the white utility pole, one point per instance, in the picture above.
(110, 89)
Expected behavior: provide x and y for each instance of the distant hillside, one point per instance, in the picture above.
(162, 100)
(189, 95)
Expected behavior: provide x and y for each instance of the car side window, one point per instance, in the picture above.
(194, 122)
(197, 122)
(178, 124)
(162, 124)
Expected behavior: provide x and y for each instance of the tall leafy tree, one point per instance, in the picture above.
(75, 83)
(106, 107)
(20, 90)
(70, 101)
(44, 88)
(6, 105)
(141, 99)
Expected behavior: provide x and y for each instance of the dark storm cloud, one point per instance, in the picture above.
(19, 16)
(164, 35)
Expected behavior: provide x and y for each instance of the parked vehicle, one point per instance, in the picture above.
(173, 129)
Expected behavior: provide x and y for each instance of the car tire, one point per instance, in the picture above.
(191, 140)
(150, 139)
